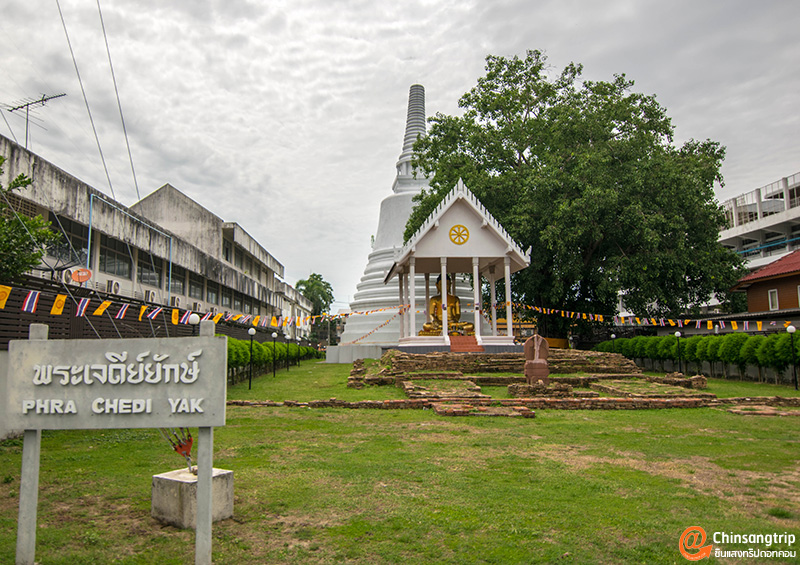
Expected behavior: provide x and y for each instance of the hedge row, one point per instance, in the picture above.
(264, 354)
(740, 350)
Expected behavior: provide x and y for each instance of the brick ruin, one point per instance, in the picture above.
(458, 393)
(450, 382)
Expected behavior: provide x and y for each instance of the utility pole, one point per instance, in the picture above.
(27, 103)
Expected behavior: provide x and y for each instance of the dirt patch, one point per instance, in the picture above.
(759, 410)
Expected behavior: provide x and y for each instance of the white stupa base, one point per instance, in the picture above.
(487, 340)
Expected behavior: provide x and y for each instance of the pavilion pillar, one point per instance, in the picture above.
(493, 299)
(445, 327)
(476, 295)
(428, 297)
(402, 302)
(507, 274)
(412, 298)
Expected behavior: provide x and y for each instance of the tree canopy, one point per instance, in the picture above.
(586, 174)
(318, 291)
(23, 240)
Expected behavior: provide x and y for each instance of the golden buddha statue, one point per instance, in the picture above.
(434, 327)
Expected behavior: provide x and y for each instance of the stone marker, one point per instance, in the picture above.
(536, 351)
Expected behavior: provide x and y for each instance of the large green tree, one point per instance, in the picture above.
(23, 240)
(586, 174)
(318, 291)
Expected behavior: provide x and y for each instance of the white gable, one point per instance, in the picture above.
(460, 229)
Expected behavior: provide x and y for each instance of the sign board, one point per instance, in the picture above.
(116, 383)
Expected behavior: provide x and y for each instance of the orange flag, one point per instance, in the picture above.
(58, 305)
(5, 292)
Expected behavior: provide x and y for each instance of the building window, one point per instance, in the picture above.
(227, 250)
(225, 298)
(148, 269)
(237, 302)
(115, 257)
(239, 256)
(196, 286)
(212, 292)
(76, 235)
(773, 299)
(177, 284)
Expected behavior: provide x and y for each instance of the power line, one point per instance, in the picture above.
(85, 100)
(119, 104)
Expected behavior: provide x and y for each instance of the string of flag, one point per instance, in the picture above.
(32, 298)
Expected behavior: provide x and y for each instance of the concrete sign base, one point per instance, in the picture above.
(174, 497)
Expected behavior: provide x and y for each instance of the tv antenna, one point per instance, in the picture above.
(27, 104)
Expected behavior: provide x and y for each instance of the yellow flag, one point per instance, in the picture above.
(58, 305)
(274, 322)
(5, 292)
(236, 317)
(599, 317)
(217, 318)
(141, 312)
(759, 325)
(638, 322)
(710, 325)
(734, 325)
(671, 322)
(255, 320)
(101, 308)
(176, 316)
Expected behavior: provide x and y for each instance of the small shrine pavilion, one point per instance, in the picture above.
(460, 236)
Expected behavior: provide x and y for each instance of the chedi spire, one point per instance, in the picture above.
(415, 127)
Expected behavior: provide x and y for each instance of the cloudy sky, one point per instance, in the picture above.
(288, 116)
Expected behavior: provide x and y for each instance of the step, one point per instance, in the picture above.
(464, 344)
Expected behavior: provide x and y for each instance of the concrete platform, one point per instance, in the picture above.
(174, 497)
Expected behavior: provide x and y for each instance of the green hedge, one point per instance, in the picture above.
(263, 355)
(739, 350)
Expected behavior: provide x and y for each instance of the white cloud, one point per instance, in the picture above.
(287, 117)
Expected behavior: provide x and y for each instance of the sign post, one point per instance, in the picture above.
(115, 383)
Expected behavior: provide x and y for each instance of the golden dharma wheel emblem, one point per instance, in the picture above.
(459, 234)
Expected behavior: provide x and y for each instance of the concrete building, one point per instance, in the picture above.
(765, 222)
(166, 249)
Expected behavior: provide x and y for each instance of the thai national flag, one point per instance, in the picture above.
(207, 316)
(121, 314)
(31, 301)
(152, 315)
(245, 319)
(80, 312)
(185, 317)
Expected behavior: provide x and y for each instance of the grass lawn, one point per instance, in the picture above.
(407, 486)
